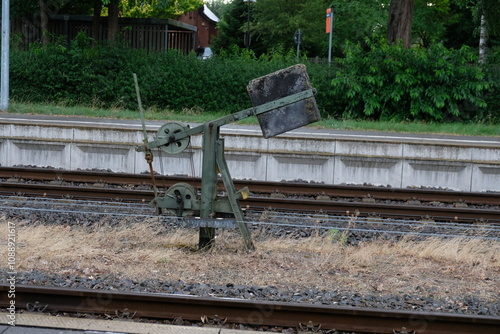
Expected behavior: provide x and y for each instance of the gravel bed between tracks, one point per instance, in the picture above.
(148, 255)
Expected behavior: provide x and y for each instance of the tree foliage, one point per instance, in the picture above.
(355, 21)
(391, 82)
(158, 8)
(231, 27)
(276, 22)
(489, 8)
(431, 20)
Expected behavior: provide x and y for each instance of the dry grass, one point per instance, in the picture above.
(147, 250)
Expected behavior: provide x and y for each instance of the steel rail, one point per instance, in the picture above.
(451, 214)
(248, 312)
(309, 189)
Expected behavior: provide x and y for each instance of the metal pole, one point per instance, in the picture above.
(166, 37)
(299, 38)
(4, 90)
(248, 27)
(247, 35)
(208, 182)
(330, 37)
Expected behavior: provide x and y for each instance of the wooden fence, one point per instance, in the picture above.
(149, 34)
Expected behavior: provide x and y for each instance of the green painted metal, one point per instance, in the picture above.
(208, 182)
(180, 199)
(232, 195)
(175, 137)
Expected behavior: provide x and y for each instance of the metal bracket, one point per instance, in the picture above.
(215, 321)
(36, 307)
(403, 331)
(309, 327)
(125, 314)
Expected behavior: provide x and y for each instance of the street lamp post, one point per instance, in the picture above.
(247, 35)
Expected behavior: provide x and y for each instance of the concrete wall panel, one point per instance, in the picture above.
(429, 152)
(301, 146)
(250, 156)
(40, 153)
(4, 152)
(246, 165)
(373, 149)
(486, 155)
(117, 158)
(122, 137)
(240, 143)
(42, 132)
(185, 163)
(484, 177)
(372, 170)
(437, 174)
(299, 167)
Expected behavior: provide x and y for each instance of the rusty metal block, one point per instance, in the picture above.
(278, 85)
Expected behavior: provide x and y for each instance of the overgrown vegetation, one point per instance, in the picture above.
(143, 249)
(383, 83)
(394, 83)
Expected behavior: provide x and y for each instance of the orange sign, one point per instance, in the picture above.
(328, 20)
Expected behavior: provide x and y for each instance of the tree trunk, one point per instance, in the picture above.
(399, 23)
(44, 21)
(96, 21)
(112, 20)
(483, 40)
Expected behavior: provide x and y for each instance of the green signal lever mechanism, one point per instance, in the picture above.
(282, 101)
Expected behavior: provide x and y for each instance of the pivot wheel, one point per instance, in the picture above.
(185, 197)
(167, 131)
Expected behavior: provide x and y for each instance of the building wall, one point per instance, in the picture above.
(206, 28)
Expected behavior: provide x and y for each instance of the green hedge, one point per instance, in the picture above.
(382, 83)
(393, 83)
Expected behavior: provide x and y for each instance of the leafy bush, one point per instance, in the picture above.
(393, 83)
(384, 83)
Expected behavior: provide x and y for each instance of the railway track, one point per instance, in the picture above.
(116, 187)
(287, 188)
(222, 312)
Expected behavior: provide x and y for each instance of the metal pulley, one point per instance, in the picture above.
(167, 131)
(180, 200)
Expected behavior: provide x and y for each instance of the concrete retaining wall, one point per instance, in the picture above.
(395, 163)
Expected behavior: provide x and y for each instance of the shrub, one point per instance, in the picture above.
(385, 82)
(393, 83)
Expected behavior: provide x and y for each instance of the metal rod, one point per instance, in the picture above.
(4, 90)
(141, 111)
(231, 195)
(148, 152)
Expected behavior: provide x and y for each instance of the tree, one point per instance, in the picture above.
(44, 21)
(486, 14)
(400, 21)
(218, 7)
(356, 21)
(113, 13)
(146, 8)
(95, 21)
(158, 8)
(231, 27)
(431, 19)
(276, 22)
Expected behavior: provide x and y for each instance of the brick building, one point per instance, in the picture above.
(206, 22)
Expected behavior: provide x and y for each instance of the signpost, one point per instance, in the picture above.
(297, 37)
(329, 30)
(4, 90)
